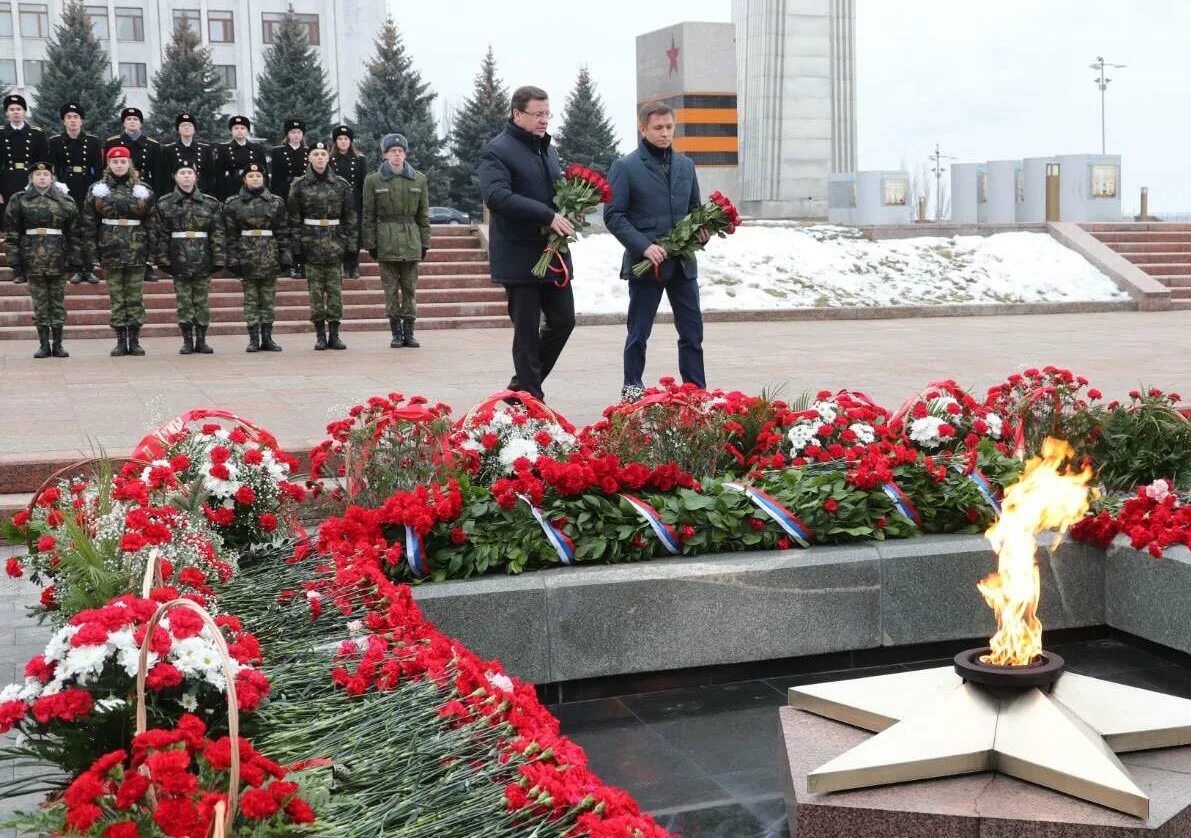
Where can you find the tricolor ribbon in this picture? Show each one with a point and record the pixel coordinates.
(415, 553)
(785, 519)
(559, 540)
(982, 485)
(902, 503)
(661, 529)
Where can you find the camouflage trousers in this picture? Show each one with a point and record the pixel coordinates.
(258, 300)
(126, 291)
(326, 291)
(191, 294)
(400, 281)
(49, 300)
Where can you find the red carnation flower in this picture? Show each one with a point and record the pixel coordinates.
(245, 495)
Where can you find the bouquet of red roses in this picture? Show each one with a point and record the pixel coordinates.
(718, 217)
(577, 192)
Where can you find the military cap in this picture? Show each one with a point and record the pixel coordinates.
(41, 166)
(15, 99)
(182, 163)
(388, 141)
(119, 151)
(253, 168)
(185, 117)
(343, 131)
(71, 107)
(292, 124)
(239, 120)
(127, 112)
(320, 145)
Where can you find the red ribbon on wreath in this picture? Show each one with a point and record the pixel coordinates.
(152, 446)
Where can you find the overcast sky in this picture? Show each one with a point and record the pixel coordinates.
(986, 81)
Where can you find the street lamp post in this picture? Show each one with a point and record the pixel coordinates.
(1102, 83)
(937, 170)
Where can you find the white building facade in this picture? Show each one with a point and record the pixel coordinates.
(135, 34)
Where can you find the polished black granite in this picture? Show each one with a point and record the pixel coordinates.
(703, 760)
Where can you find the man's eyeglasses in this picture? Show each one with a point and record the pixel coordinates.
(538, 114)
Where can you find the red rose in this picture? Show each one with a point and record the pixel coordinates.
(686, 532)
(783, 543)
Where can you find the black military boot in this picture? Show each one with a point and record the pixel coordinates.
(200, 341)
(333, 341)
(121, 348)
(395, 327)
(150, 273)
(409, 333)
(267, 342)
(56, 346)
(76, 278)
(187, 339)
(91, 277)
(254, 339)
(320, 331)
(351, 268)
(43, 337)
(134, 341)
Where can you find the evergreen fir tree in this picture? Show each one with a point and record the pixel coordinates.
(78, 69)
(481, 118)
(585, 136)
(393, 98)
(186, 83)
(292, 85)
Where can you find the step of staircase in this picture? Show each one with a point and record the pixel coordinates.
(1137, 226)
(1145, 247)
(1166, 268)
(1158, 258)
(300, 323)
(1174, 281)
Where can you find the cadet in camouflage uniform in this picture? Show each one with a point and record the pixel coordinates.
(322, 217)
(42, 243)
(145, 153)
(397, 233)
(258, 250)
(187, 236)
(21, 145)
(115, 215)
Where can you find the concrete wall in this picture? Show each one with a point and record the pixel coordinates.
(1076, 202)
(1001, 204)
(871, 208)
(964, 209)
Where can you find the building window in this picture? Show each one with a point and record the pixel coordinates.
(99, 21)
(220, 27)
(33, 71)
(1104, 180)
(8, 72)
(227, 75)
(5, 20)
(35, 20)
(894, 190)
(271, 22)
(130, 24)
(134, 75)
(188, 16)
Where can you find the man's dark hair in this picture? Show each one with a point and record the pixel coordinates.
(652, 109)
(522, 96)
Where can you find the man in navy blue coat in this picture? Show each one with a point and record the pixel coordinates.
(653, 188)
(518, 168)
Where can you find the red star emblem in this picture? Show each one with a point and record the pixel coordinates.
(672, 54)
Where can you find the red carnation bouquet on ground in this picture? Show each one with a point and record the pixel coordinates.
(718, 217)
(579, 191)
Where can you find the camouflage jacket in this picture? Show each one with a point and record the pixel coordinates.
(325, 198)
(115, 223)
(187, 256)
(33, 254)
(256, 256)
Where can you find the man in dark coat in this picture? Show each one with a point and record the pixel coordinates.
(518, 168)
(78, 162)
(21, 145)
(234, 157)
(189, 152)
(653, 188)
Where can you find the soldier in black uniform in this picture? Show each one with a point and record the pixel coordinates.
(78, 162)
(188, 150)
(350, 165)
(287, 163)
(146, 159)
(235, 156)
(21, 145)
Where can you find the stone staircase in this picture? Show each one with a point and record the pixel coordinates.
(454, 292)
(1160, 248)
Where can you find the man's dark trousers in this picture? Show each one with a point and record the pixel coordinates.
(645, 295)
(536, 347)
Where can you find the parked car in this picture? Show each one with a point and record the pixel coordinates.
(448, 215)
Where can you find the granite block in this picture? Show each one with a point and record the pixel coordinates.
(496, 617)
(1148, 597)
(712, 610)
(929, 589)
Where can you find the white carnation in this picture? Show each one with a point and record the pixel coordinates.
(995, 425)
(59, 644)
(925, 431)
(84, 663)
(864, 432)
(515, 449)
(826, 411)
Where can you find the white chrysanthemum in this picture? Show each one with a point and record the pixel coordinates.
(800, 436)
(515, 449)
(107, 705)
(122, 639)
(925, 431)
(864, 432)
(195, 656)
(995, 425)
(11, 693)
(59, 644)
(82, 663)
(826, 411)
(189, 702)
(129, 659)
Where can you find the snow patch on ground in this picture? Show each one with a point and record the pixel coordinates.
(766, 266)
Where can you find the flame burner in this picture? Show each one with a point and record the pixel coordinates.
(1042, 673)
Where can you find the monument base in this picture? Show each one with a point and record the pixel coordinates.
(972, 806)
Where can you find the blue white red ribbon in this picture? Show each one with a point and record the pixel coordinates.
(559, 540)
(982, 485)
(902, 503)
(661, 529)
(415, 553)
(785, 519)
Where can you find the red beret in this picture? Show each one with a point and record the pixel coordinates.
(118, 151)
